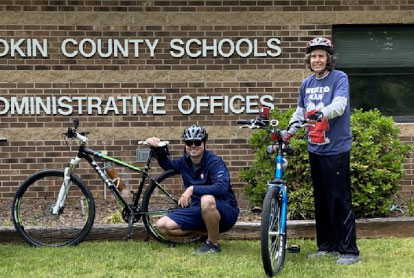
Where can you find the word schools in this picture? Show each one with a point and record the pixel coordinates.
(124, 48)
(65, 105)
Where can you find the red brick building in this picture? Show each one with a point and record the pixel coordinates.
(133, 69)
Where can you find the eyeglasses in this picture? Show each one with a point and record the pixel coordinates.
(189, 143)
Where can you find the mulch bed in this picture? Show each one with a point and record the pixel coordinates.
(106, 209)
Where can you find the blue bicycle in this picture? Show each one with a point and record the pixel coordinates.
(274, 211)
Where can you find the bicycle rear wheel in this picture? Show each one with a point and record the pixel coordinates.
(33, 204)
(159, 202)
(273, 243)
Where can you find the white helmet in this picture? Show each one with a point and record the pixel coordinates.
(320, 43)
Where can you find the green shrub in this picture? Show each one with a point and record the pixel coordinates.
(376, 166)
(376, 162)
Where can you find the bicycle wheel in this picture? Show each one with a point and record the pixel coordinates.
(33, 204)
(272, 242)
(158, 203)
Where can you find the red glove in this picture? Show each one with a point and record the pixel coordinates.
(317, 132)
(314, 115)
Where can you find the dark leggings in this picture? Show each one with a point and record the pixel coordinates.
(335, 218)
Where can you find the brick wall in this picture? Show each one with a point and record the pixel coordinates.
(34, 141)
(201, 5)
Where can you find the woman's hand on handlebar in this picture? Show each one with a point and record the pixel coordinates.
(287, 137)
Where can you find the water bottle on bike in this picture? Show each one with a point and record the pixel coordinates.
(113, 174)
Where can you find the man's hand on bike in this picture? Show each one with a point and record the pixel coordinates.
(153, 141)
(185, 198)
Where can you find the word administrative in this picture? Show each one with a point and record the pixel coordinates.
(124, 48)
(65, 105)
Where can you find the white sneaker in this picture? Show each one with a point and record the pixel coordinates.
(348, 259)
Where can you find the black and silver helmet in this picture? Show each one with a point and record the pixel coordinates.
(195, 132)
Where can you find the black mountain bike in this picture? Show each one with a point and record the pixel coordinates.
(56, 208)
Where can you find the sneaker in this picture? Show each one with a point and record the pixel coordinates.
(321, 253)
(207, 248)
(348, 259)
(202, 239)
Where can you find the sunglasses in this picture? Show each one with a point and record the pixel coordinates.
(189, 143)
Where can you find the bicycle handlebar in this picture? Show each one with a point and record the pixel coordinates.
(82, 136)
(244, 122)
(160, 144)
(73, 133)
(263, 124)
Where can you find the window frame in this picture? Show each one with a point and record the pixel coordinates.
(375, 71)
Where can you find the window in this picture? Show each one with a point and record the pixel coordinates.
(379, 61)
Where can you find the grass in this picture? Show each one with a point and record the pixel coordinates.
(391, 257)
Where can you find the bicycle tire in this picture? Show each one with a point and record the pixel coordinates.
(273, 244)
(32, 210)
(156, 204)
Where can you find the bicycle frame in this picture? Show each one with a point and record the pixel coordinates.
(280, 164)
(85, 153)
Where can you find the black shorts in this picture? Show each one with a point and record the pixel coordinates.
(191, 218)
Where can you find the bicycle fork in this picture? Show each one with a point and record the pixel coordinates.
(281, 164)
(283, 210)
(283, 206)
(60, 202)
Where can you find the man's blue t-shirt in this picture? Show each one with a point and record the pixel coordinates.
(331, 96)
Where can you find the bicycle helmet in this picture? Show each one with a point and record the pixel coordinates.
(320, 43)
(195, 132)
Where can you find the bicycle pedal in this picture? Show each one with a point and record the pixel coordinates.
(294, 248)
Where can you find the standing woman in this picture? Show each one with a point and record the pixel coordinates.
(324, 102)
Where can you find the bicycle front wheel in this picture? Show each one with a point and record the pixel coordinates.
(273, 243)
(160, 198)
(33, 205)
